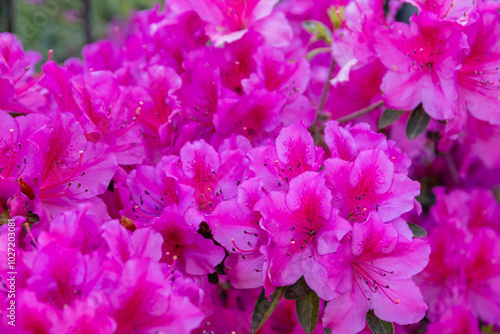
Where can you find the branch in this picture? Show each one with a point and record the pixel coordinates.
(86, 21)
(361, 112)
(326, 87)
(10, 15)
(320, 116)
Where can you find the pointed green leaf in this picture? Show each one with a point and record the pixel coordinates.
(308, 311)
(264, 308)
(378, 326)
(418, 232)
(298, 290)
(389, 116)
(318, 30)
(417, 123)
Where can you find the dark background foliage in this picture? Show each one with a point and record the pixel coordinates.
(63, 25)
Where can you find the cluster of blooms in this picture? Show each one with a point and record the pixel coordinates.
(161, 182)
(462, 278)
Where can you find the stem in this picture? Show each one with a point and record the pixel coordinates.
(453, 168)
(86, 21)
(313, 53)
(320, 116)
(361, 112)
(10, 15)
(326, 87)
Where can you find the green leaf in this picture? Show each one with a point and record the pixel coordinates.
(307, 309)
(318, 30)
(264, 308)
(298, 290)
(328, 331)
(417, 123)
(335, 17)
(418, 232)
(389, 116)
(377, 325)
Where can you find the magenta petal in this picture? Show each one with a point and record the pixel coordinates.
(316, 277)
(308, 193)
(401, 90)
(372, 171)
(201, 257)
(275, 29)
(341, 143)
(405, 304)
(373, 237)
(244, 273)
(295, 145)
(346, 314)
(407, 259)
(399, 199)
(199, 159)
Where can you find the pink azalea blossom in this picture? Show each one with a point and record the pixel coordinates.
(143, 299)
(302, 224)
(229, 21)
(366, 180)
(423, 62)
(373, 270)
(479, 76)
(293, 154)
(183, 248)
(214, 177)
(235, 225)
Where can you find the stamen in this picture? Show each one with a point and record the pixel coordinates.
(134, 121)
(242, 250)
(35, 80)
(136, 210)
(68, 178)
(26, 225)
(280, 170)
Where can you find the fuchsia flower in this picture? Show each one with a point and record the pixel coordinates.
(124, 246)
(74, 169)
(459, 320)
(79, 230)
(235, 225)
(144, 300)
(423, 62)
(303, 224)
(110, 112)
(183, 248)
(213, 177)
(33, 315)
(293, 154)
(58, 276)
(463, 270)
(452, 10)
(202, 90)
(18, 91)
(228, 21)
(86, 316)
(364, 179)
(152, 190)
(466, 210)
(255, 116)
(197, 116)
(19, 155)
(373, 270)
(479, 77)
